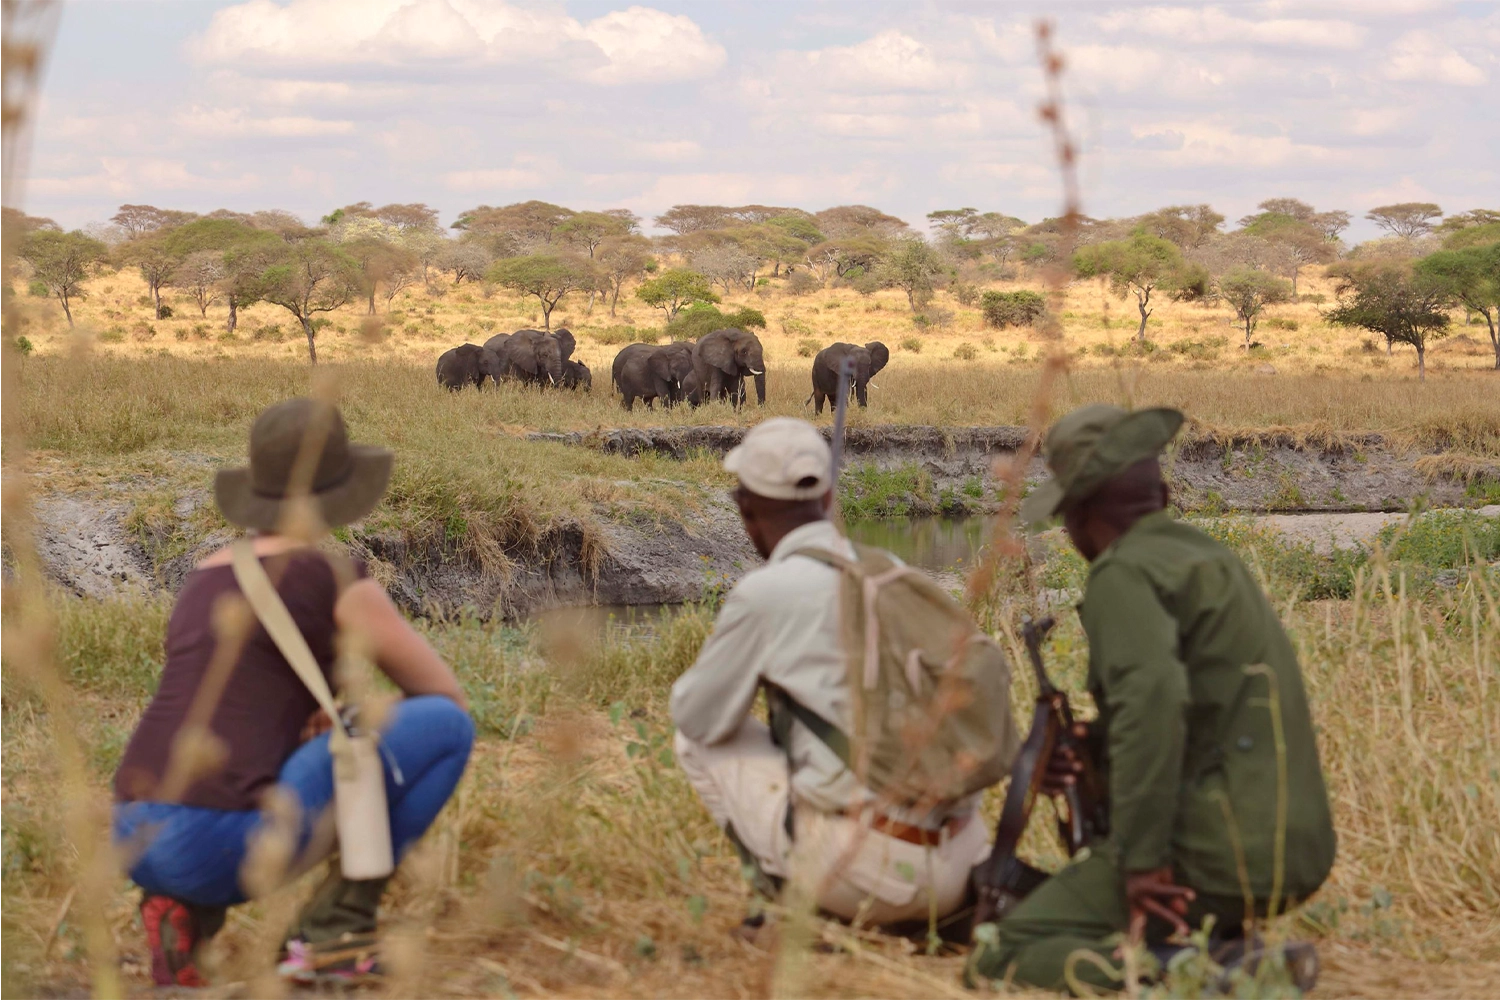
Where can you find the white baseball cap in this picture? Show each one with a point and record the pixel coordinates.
(784, 459)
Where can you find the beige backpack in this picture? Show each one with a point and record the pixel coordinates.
(931, 691)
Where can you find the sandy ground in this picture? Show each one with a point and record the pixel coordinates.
(1326, 532)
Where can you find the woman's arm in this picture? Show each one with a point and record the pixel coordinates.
(400, 652)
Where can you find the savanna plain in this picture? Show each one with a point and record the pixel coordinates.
(575, 859)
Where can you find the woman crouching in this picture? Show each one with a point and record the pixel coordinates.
(226, 788)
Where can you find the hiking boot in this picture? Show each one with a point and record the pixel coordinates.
(174, 932)
(339, 962)
(1247, 956)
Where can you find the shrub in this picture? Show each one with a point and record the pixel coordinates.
(940, 318)
(621, 335)
(38, 289)
(808, 346)
(696, 320)
(165, 312)
(1316, 298)
(1199, 350)
(802, 282)
(142, 331)
(227, 337)
(181, 333)
(966, 352)
(913, 344)
(114, 335)
(23, 346)
(793, 327)
(967, 294)
(271, 332)
(920, 321)
(1002, 309)
(1281, 323)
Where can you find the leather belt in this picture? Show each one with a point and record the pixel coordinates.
(918, 835)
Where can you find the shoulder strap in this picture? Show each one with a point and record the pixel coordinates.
(830, 735)
(828, 558)
(272, 613)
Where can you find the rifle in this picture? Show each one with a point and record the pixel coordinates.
(1002, 880)
(840, 410)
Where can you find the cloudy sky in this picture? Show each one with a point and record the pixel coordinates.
(909, 106)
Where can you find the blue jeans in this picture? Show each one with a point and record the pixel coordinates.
(194, 854)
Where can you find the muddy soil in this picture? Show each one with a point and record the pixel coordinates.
(1250, 475)
(89, 548)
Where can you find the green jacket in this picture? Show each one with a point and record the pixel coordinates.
(1185, 658)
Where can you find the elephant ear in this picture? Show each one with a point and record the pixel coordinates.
(565, 342)
(715, 349)
(880, 356)
(523, 356)
(660, 365)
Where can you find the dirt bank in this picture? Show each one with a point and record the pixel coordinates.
(92, 546)
(1250, 474)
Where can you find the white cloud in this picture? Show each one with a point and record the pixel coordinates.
(890, 61)
(235, 123)
(1212, 26)
(1422, 57)
(124, 177)
(636, 45)
(647, 46)
(668, 150)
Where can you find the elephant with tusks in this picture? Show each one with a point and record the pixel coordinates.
(867, 363)
(468, 364)
(723, 360)
(649, 373)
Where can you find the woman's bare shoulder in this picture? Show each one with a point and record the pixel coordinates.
(264, 545)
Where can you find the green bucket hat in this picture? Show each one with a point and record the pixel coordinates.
(1090, 446)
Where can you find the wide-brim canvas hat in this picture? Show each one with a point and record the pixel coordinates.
(1092, 445)
(299, 450)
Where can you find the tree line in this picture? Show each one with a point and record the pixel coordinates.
(369, 254)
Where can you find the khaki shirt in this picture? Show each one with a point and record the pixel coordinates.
(780, 625)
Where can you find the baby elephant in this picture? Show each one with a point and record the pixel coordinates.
(576, 375)
(868, 360)
(650, 373)
(467, 364)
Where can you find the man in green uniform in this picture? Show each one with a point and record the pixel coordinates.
(1216, 799)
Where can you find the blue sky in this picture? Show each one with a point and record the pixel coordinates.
(310, 104)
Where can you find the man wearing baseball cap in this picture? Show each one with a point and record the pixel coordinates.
(1217, 806)
(796, 810)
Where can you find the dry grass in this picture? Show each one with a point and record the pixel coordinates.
(576, 862)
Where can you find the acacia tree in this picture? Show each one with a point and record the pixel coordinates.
(62, 261)
(138, 220)
(1395, 300)
(1408, 220)
(1248, 291)
(674, 289)
(910, 265)
(156, 257)
(1472, 276)
(308, 277)
(619, 260)
(244, 252)
(200, 274)
(1189, 226)
(1137, 266)
(548, 277)
(1300, 242)
(382, 265)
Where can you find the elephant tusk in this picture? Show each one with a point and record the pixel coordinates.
(754, 372)
(872, 385)
(551, 379)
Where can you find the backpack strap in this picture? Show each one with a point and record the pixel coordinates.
(784, 708)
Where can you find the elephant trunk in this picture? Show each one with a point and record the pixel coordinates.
(760, 388)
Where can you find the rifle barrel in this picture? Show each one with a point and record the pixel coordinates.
(840, 409)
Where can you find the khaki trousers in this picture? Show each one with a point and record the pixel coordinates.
(847, 868)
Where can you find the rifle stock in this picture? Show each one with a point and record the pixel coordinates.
(1002, 880)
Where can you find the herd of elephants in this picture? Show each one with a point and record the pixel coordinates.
(715, 367)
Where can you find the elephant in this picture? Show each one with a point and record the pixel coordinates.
(723, 359)
(868, 361)
(496, 342)
(576, 374)
(534, 357)
(648, 372)
(468, 364)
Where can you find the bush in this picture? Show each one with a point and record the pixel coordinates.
(913, 344)
(142, 332)
(966, 352)
(967, 294)
(114, 335)
(1199, 350)
(38, 289)
(793, 327)
(802, 282)
(1003, 309)
(696, 320)
(940, 318)
(271, 332)
(1316, 298)
(612, 335)
(24, 347)
(1281, 323)
(807, 347)
(165, 312)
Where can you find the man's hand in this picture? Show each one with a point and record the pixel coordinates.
(1064, 766)
(1154, 894)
